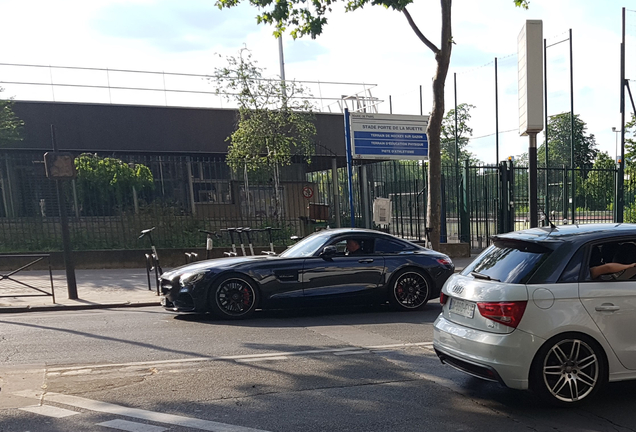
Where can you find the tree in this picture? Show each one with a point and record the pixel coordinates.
(309, 18)
(105, 182)
(559, 146)
(275, 121)
(464, 132)
(600, 183)
(630, 143)
(10, 124)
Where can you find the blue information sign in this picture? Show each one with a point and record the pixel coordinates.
(387, 136)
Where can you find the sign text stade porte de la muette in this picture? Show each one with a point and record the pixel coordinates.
(389, 136)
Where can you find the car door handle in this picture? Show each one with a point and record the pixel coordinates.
(367, 260)
(607, 307)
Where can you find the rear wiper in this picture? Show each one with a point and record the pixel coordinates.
(478, 275)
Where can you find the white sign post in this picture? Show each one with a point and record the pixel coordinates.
(530, 55)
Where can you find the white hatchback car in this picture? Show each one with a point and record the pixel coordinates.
(528, 314)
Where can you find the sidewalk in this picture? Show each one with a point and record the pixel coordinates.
(95, 289)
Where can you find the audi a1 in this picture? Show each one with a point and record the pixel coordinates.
(529, 314)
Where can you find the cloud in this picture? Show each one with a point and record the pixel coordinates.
(176, 26)
(300, 51)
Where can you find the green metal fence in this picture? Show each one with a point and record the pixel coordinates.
(188, 193)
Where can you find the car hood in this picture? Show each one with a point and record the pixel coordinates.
(216, 263)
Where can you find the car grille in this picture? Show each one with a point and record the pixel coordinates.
(167, 286)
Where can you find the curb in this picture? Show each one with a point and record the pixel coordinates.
(63, 307)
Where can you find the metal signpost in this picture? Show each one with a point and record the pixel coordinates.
(530, 63)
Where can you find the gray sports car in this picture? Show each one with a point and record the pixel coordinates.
(341, 266)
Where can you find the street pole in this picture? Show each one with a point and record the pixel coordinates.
(69, 264)
(496, 116)
(281, 59)
(620, 184)
(532, 180)
(573, 205)
(347, 124)
(546, 203)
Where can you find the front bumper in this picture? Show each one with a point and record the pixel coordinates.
(505, 358)
(183, 303)
(176, 299)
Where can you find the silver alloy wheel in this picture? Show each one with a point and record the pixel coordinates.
(235, 297)
(411, 290)
(571, 370)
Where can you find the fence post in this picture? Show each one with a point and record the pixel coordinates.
(464, 214)
(336, 195)
(511, 197)
(443, 237)
(506, 202)
(364, 197)
(193, 206)
(502, 193)
(565, 194)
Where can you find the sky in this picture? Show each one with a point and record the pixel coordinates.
(372, 50)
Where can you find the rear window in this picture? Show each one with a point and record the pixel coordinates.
(508, 261)
(385, 246)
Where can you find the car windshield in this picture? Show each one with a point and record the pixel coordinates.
(508, 261)
(305, 247)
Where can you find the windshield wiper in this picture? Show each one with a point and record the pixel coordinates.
(478, 275)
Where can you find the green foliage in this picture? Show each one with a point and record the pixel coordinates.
(629, 214)
(103, 183)
(630, 141)
(276, 119)
(600, 182)
(309, 18)
(559, 145)
(464, 132)
(10, 125)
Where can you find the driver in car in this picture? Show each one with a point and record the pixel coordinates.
(353, 247)
(619, 269)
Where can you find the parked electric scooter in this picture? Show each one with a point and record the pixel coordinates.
(152, 259)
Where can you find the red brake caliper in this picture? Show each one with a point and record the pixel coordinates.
(246, 296)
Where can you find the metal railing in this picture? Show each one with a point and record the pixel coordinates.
(189, 194)
(15, 283)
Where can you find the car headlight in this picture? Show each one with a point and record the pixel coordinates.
(191, 278)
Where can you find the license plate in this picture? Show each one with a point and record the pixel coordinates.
(462, 307)
(163, 301)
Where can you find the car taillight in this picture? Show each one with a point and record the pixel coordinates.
(444, 261)
(507, 313)
(443, 298)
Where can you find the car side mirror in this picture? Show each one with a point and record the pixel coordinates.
(328, 252)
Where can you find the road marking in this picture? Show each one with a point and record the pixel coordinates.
(352, 335)
(49, 411)
(252, 360)
(352, 352)
(129, 426)
(243, 357)
(105, 407)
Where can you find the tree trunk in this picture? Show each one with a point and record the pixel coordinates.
(435, 127)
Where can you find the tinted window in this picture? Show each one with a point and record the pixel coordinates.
(306, 247)
(385, 246)
(509, 261)
(572, 271)
(366, 245)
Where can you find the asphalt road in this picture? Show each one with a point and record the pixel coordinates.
(367, 369)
